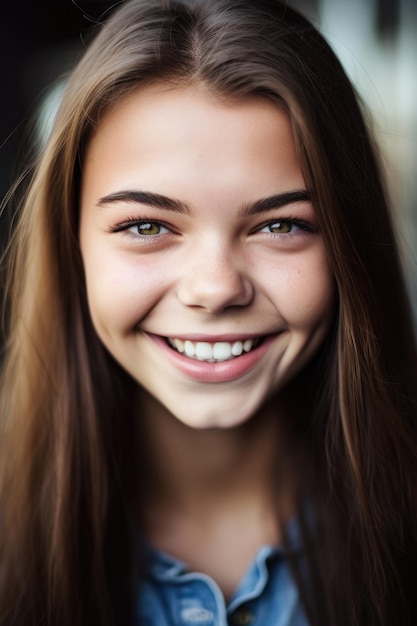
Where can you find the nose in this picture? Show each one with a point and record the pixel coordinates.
(214, 281)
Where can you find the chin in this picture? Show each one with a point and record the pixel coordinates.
(217, 419)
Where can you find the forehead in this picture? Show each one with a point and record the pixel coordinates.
(162, 108)
(185, 142)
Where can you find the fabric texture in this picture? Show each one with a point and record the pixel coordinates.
(170, 595)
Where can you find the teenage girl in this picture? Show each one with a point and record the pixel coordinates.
(209, 399)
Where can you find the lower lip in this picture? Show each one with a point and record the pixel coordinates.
(221, 372)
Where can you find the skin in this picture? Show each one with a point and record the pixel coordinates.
(208, 272)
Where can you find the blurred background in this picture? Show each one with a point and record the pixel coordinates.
(376, 40)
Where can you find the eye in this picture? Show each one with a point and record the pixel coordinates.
(281, 227)
(147, 228)
(288, 226)
(141, 228)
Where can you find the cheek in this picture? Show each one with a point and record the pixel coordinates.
(307, 294)
(316, 298)
(120, 291)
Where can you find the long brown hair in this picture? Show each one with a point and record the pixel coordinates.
(66, 543)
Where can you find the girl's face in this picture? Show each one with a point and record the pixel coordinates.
(207, 277)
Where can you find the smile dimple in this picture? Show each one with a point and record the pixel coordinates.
(213, 352)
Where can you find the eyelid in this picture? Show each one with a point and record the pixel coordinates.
(135, 221)
(304, 225)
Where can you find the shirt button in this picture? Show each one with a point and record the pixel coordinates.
(242, 617)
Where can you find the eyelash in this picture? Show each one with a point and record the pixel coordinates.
(302, 225)
(131, 222)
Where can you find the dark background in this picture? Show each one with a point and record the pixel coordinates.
(39, 41)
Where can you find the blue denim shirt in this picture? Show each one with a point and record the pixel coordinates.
(170, 595)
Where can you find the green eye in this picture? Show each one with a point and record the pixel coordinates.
(147, 228)
(282, 228)
(141, 228)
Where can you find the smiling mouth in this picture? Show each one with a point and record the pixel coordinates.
(213, 352)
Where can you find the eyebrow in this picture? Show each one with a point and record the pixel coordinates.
(160, 201)
(275, 202)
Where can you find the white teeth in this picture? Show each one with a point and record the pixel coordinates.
(247, 345)
(237, 348)
(203, 351)
(222, 351)
(212, 352)
(189, 349)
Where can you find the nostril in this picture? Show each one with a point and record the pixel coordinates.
(215, 291)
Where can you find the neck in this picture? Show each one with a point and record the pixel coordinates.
(214, 497)
(205, 474)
